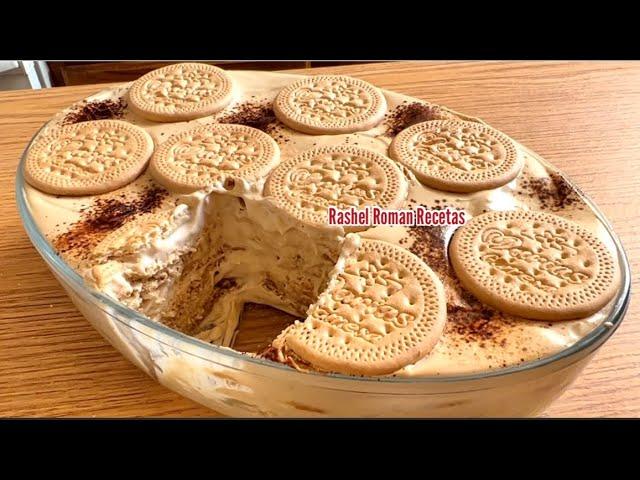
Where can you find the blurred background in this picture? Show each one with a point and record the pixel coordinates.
(18, 74)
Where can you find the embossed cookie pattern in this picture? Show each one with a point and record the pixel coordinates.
(457, 156)
(339, 176)
(383, 310)
(88, 157)
(329, 104)
(182, 91)
(213, 153)
(533, 264)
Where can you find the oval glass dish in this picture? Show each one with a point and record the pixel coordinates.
(238, 384)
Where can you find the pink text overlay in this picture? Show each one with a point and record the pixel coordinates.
(415, 217)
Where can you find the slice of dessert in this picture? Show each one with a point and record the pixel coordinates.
(383, 309)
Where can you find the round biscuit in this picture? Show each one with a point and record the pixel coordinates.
(179, 92)
(330, 104)
(88, 158)
(534, 265)
(341, 176)
(383, 310)
(213, 154)
(457, 156)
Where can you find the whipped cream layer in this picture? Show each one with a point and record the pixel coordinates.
(221, 248)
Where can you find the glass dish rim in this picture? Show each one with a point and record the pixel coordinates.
(125, 314)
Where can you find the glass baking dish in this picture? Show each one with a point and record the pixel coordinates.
(237, 384)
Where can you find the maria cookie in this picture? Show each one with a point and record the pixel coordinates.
(533, 264)
(341, 176)
(88, 158)
(330, 104)
(213, 154)
(383, 309)
(179, 92)
(457, 156)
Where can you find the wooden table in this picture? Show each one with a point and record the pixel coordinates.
(582, 116)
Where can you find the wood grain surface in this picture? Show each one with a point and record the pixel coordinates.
(584, 117)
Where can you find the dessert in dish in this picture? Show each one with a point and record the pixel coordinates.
(381, 310)
(230, 209)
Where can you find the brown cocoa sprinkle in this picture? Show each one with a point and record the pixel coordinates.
(553, 193)
(106, 215)
(407, 114)
(468, 319)
(428, 244)
(478, 323)
(473, 325)
(102, 110)
(254, 114)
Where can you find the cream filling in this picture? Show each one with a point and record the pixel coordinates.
(267, 256)
(147, 280)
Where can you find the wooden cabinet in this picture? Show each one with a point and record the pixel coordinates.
(82, 73)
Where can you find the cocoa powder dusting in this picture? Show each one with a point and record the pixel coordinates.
(428, 244)
(553, 193)
(102, 110)
(253, 114)
(467, 318)
(106, 215)
(476, 323)
(407, 114)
